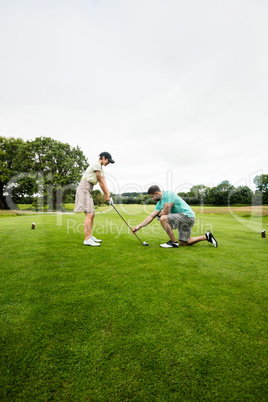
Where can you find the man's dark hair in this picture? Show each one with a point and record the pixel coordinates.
(153, 189)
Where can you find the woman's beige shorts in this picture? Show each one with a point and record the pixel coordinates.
(83, 197)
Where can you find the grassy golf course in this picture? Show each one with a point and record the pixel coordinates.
(125, 322)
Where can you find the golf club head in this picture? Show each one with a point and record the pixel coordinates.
(145, 244)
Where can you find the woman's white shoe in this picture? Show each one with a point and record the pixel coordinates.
(90, 242)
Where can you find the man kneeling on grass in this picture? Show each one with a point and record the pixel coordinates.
(174, 213)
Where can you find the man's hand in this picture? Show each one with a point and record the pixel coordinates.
(111, 201)
(135, 229)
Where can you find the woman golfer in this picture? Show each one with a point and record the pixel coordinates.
(83, 199)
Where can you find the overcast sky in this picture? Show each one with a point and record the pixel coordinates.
(175, 90)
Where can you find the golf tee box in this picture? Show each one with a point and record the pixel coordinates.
(263, 234)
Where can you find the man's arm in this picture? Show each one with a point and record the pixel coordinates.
(103, 185)
(167, 208)
(146, 221)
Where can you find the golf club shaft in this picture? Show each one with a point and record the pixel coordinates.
(126, 223)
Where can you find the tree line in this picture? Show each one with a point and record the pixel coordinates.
(222, 194)
(46, 172)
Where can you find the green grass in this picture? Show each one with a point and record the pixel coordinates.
(125, 322)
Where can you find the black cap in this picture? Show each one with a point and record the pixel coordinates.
(107, 156)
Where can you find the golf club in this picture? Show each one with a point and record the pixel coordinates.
(143, 243)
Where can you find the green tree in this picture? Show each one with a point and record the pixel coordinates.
(9, 166)
(98, 197)
(146, 200)
(220, 195)
(57, 166)
(241, 195)
(261, 183)
(197, 194)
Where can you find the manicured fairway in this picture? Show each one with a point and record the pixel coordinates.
(125, 322)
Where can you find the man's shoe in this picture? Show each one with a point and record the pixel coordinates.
(95, 240)
(211, 239)
(170, 244)
(91, 242)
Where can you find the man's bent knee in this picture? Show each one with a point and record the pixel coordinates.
(183, 243)
(163, 218)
